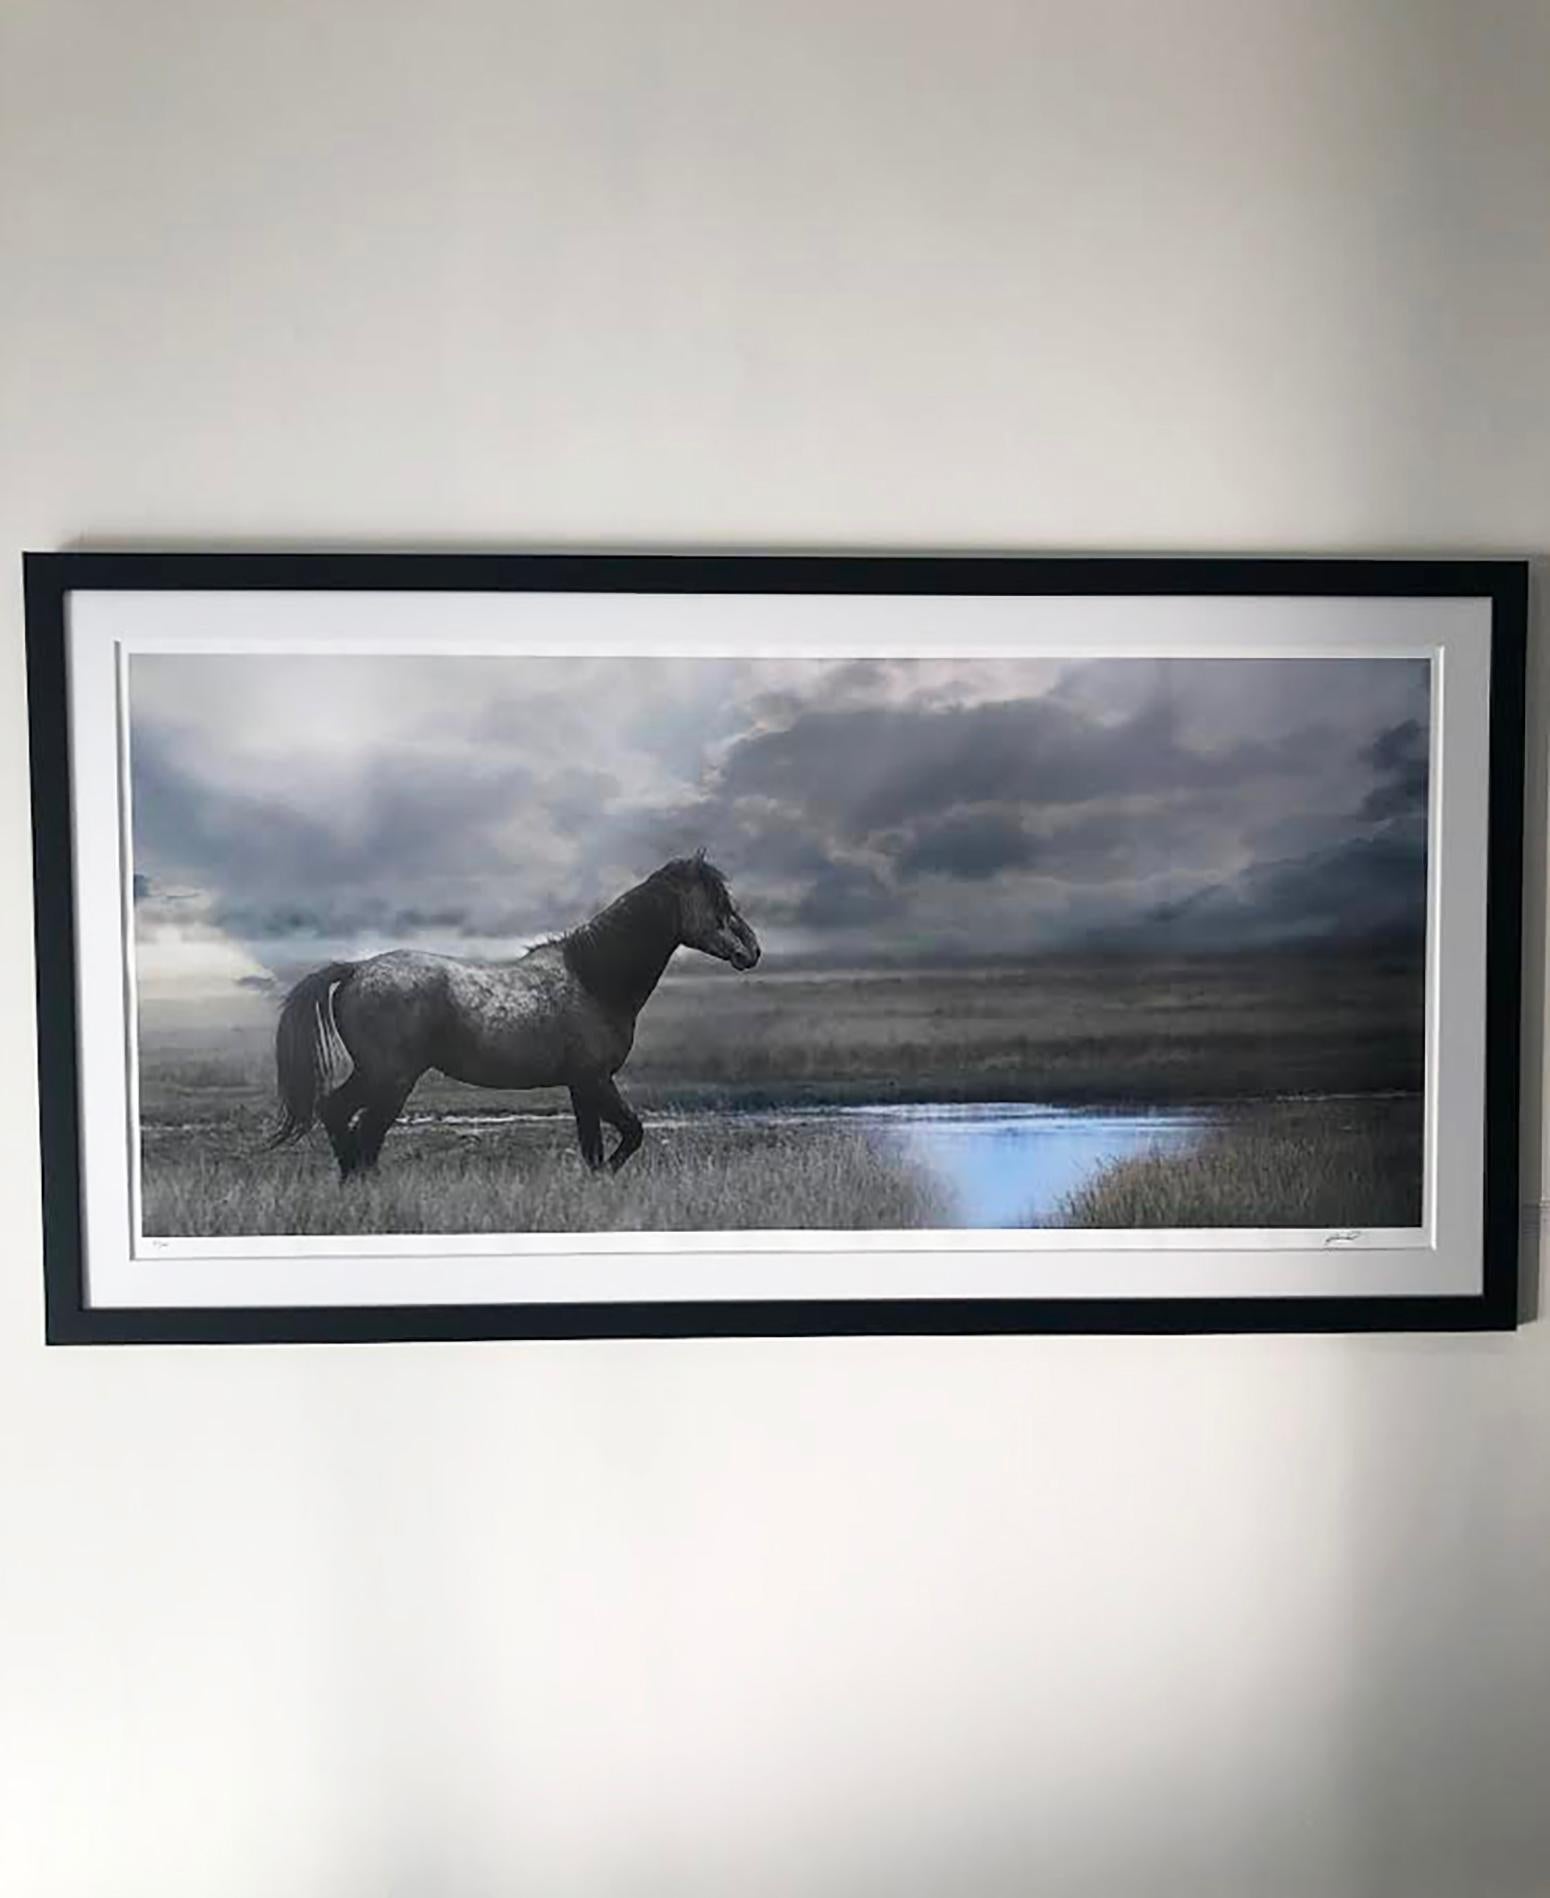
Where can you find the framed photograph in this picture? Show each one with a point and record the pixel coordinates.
(442, 946)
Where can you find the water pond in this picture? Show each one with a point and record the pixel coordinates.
(1009, 1163)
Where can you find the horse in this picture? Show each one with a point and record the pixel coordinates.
(563, 1015)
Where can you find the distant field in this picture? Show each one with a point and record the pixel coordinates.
(1101, 1029)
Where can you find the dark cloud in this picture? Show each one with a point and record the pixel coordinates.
(845, 896)
(1299, 833)
(969, 845)
(879, 766)
(1077, 845)
(1369, 888)
(1399, 756)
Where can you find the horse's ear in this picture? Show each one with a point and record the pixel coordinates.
(699, 855)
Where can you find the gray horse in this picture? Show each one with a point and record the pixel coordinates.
(562, 1016)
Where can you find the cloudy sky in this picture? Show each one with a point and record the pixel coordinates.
(286, 809)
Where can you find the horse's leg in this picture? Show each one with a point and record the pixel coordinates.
(337, 1111)
(384, 1103)
(617, 1111)
(589, 1129)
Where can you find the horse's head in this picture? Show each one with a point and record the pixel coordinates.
(708, 919)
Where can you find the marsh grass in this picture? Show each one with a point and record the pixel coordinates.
(711, 1178)
(1324, 1164)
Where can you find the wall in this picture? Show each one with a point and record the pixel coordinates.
(1249, 1617)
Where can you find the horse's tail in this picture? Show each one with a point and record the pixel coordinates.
(305, 1046)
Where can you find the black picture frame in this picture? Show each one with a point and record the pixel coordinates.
(52, 578)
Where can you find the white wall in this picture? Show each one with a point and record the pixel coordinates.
(1241, 1617)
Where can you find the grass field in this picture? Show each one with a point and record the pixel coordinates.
(1097, 1029)
(530, 1179)
(1334, 1163)
(1102, 1031)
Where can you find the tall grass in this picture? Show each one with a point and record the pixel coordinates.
(1354, 1164)
(685, 1180)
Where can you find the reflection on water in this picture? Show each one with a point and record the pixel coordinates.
(1010, 1164)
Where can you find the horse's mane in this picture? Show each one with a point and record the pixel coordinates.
(620, 953)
